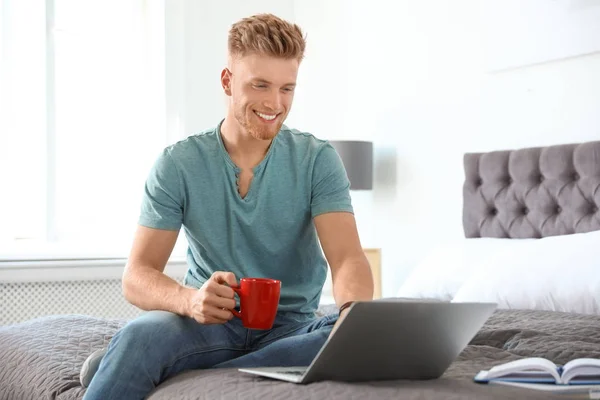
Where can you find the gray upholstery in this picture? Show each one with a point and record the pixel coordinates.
(507, 336)
(41, 358)
(47, 373)
(532, 192)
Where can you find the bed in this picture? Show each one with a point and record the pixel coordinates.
(530, 222)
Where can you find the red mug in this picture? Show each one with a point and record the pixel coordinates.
(259, 299)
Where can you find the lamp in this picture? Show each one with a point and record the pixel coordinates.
(357, 157)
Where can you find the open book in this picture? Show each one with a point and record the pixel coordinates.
(581, 371)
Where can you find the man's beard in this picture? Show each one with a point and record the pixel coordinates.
(257, 132)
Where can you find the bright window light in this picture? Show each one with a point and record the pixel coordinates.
(83, 118)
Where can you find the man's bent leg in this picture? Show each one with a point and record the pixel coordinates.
(298, 348)
(158, 345)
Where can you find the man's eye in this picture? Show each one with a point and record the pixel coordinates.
(260, 86)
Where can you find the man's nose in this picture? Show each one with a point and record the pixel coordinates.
(273, 101)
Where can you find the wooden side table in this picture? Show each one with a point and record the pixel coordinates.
(374, 257)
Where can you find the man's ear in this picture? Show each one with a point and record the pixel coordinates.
(226, 81)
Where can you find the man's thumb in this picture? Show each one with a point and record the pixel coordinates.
(225, 277)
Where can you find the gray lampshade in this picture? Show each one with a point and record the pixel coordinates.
(357, 157)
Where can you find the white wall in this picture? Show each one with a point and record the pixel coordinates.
(196, 54)
(411, 76)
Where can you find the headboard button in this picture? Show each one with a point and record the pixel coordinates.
(558, 209)
(575, 176)
(493, 211)
(525, 210)
(541, 178)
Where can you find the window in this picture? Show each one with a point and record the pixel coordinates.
(82, 103)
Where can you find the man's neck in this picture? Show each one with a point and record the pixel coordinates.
(245, 150)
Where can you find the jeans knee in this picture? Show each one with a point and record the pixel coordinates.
(144, 332)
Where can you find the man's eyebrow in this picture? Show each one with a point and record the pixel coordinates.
(261, 80)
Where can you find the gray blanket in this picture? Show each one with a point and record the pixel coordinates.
(41, 359)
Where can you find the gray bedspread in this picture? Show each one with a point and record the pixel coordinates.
(41, 359)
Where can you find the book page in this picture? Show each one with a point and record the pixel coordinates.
(532, 364)
(585, 368)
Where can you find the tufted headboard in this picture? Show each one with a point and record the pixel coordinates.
(532, 192)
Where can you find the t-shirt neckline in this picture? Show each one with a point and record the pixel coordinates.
(228, 159)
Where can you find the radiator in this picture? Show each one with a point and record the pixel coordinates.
(91, 287)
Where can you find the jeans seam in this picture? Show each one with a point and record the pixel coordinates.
(248, 340)
(271, 340)
(200, 352)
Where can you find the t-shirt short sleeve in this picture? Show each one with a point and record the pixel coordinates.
(162, 200)
(330, 184)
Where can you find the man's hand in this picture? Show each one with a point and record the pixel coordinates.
(211, 304)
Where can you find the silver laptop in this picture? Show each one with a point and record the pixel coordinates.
(391, 339)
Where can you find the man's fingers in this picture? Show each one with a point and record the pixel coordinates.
(219, 289)
(211, 321)
(216, 299)
(225, 277)
(217, 316)
(222, 315)
(221, 302)
(223, 291)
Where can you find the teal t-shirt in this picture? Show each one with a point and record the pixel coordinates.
(268, 233)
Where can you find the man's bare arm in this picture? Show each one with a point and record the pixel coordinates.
(350, 271)
(144, 283)
(146, 286)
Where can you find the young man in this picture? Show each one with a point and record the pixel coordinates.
(256, 199)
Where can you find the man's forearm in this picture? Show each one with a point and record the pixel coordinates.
(150, 289)
(353, 281)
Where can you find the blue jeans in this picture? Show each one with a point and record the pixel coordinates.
(159, 345)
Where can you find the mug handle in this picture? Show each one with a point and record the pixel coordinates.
(234, 311)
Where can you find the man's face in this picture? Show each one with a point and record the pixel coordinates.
(261, 90)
